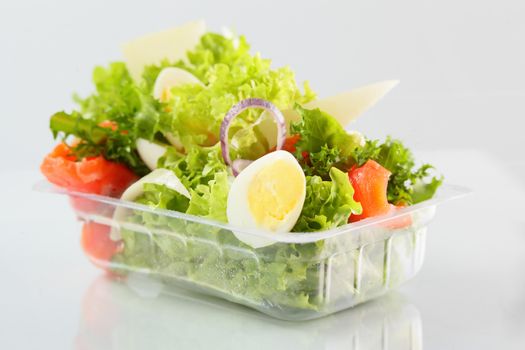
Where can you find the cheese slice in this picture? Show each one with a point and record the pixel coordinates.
(347, 106)
(171, 44)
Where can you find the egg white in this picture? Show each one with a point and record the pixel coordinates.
(238, 208)
(150, 152)
(171, 77)
(168, 78)
(158, 176)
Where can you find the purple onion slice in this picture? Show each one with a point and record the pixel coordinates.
(238, 109)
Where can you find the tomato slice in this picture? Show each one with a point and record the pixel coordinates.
(92, 175)
(289, 144)
(97, 244)
(370, 183)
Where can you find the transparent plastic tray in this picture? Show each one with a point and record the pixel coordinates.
(300, 276)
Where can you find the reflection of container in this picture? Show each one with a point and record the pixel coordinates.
(300, 276)
(115, 318)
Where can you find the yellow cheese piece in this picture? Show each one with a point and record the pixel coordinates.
(171, 44)
(344, 107)
(347, 106)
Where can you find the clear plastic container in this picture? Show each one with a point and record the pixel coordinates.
(300, 276)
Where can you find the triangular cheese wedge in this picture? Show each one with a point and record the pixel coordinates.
(347, 106)
(171, 44)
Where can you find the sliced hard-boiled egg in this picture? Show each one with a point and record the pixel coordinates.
(174, 140)
(150, 152)
(167, 79)
(171, 44)
(158, 176)
(267, 195)
(170, 77)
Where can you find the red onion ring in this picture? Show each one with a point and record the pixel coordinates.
(238, 109)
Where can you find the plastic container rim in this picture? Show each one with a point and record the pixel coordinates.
(445, 193)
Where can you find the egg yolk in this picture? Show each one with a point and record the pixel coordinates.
(165, 95)
(271, 198)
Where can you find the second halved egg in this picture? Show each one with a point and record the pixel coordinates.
(268, 195)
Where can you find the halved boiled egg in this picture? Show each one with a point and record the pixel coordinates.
(150, 152)
(267, 195)
(167, 79)
(158, 176)
(170, 77)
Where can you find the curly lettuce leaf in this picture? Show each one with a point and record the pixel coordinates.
(118, 100)
(328, 204)
(210, 200)
(230, 73)
(407, 184)
(197, 167)
(163, 197)
(325, 141)
(114, 144)
(116, 97)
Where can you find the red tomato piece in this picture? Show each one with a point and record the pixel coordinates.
(289, 144)
(109, 124)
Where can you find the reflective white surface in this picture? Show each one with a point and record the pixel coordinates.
(114, 318)
(459, 105)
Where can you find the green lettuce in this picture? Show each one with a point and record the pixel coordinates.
(230, 73)
(324, 140)
(119, 100)
(162, 197)
(197, 167)
(328, 204)
(116, 96)
(210, 200)
(408, 184)
(114, 144)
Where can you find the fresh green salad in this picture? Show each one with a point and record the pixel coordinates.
(195, 122)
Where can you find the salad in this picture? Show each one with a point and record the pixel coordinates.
(194, 122)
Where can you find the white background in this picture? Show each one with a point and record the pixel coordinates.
(460, 104)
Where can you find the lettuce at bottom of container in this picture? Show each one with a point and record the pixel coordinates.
(299, 277)
(295, 290)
